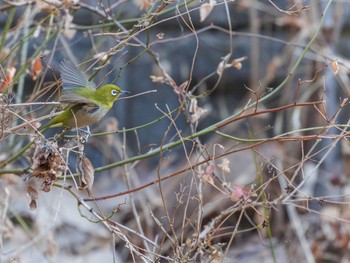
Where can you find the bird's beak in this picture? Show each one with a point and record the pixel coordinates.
(125, 92)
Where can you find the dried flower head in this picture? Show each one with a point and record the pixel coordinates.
(47, 166)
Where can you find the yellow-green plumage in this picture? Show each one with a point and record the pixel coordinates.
(84, 104)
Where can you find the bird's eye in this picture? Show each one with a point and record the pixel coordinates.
(114, 92)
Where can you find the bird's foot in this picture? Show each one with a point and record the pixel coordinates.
(59, 136)
(87, 134)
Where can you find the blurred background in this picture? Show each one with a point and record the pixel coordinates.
(232, 146)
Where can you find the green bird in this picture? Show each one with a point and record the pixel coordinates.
(84, 103)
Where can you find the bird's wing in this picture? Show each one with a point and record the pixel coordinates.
(73, 78)
(71, 98)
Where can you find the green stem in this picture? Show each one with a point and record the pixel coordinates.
(209, 129)
(7, 27)
(215, 126)
(129, 62)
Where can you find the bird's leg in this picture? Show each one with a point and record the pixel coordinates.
(87, 132)
(59, 136)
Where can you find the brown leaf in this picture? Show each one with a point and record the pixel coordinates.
(49, 178)
(236, 63)
(37, 68)
(47, 165)
(86, 171)
(6, 82)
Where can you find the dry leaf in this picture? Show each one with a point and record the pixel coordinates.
(86, 171)
(206, 9)
(47, 166)
(6, 82)
(195, 111)
(335, 67)
(236, 63)
(37, 68)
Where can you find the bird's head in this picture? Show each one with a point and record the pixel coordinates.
(108, 94)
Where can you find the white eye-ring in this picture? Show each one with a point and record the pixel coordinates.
(114, 92)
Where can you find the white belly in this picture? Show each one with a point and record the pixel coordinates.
(87, 115)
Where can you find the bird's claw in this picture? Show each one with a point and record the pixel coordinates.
(85, 138)
(57, 137)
